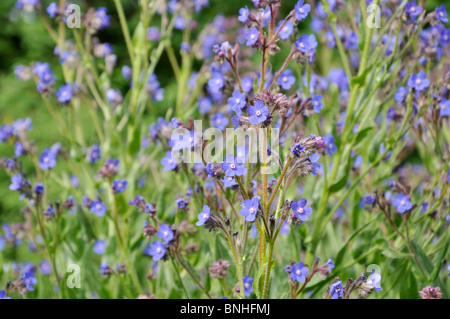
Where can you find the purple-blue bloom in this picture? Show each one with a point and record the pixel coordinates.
(250, 208)
(302, 10)
(99, 247)
(232, 167)
(119, 186)
(204, 215)
(286, 31)
(418, 81)
(329, 144)
(165, 233)
(401, 94)
(168, 163)
(248, 285)
(316, 100)
(98, 208)
(243, 14)
(402, 203)
(336, 290)
(441, 14)
(258, 113)
(412, 9)
(251, 36)
(237, 102)
(299, 272)
(306, 43)
(444, 108)
(157, 250)
(286, 79)
(300, 209)
(47, 159)
(219, 121)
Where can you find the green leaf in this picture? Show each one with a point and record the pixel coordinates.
(341, 253)
(427, 266)
(135, 144)
(258, 283)
(343, 180)
(258, 279)
(439, 260)
(362, 134)
(422, 258)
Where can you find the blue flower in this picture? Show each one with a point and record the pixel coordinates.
(250, 208)
(441, 14)
(3, 295)
(47, 159)
(402, 203)
(412, 9)
(228, 181)
(181, 203)
(216, 83)
(168, 163)
(153, 34)
(232, 167)
(39, 188)
(219, 121)
(444, 108)
(50, 210)
(28, 276)
(104, 19)
(243, 14)
(258, 113)
(418, 81)
(157, 250)
(286, 31)
(286, 79)
(375, 281)
(329, 142)
(114, 96)
(237, 102)
(165, 233)
(52, 10)
(251, 36)
(64, 94)
(98, 208)
(19, 150)
(126, 72)
(401, 94)
(204, 215)
(336, 290)
(94, 154)
(248, 285)
(330, 264)
(17, 182)
(316, 101)
(297, 148)
(306, 43)
(369, 199)
(299, 272)
(302, 10)
(247, 84)
(119, 186)
(204, 105)
(45, 267)
(99, 247)
(300, 209)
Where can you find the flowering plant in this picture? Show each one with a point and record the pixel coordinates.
(341, 116)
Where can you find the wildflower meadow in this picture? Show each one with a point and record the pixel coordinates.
(211, 149)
